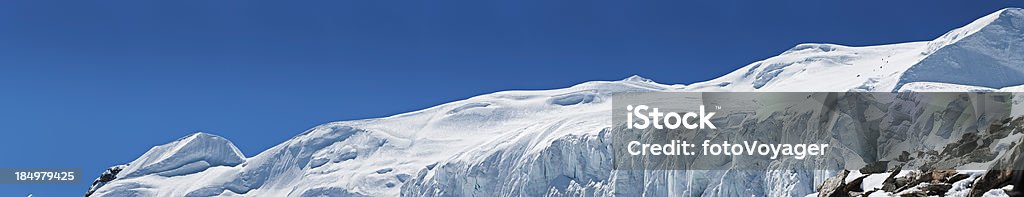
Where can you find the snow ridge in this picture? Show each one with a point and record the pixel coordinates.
(985, 53)
(189, 154)
(555, 142)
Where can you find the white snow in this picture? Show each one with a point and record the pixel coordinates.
(822, 67)
(963, 187)
(532, 143)
(187, 155)
(985, 53)
(941, 87)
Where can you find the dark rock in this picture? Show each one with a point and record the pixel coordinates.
(904, 157)
(868, 193)
(966, 145)
(875, 168)
(981, 155)
(914, 194)
(1003, 171)
(905, 182)
(957, 177)
(1018, 182)
(991, 180)
(109, 175)
(889, 184)
(832, 185)
(938, 188)
(854, 186)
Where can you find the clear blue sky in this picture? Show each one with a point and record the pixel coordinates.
(90, 84)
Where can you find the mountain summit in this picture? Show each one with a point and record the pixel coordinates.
(554, 142)
(985, 53)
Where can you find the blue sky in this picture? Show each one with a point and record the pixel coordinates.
(90, 84)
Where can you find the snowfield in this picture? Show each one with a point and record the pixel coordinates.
(556, 142)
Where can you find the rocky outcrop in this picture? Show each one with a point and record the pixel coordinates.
(833, 186)
(929, 181)
(109, 175)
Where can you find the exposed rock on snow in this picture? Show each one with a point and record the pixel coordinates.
(109, 175)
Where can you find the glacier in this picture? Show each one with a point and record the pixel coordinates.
(557, 142)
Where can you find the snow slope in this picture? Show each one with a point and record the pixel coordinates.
(822, 67)
(554, 142)
(191, 154)
(376, 156)
(985, 53)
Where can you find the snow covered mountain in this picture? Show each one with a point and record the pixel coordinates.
(555, 142)
(985, 53)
